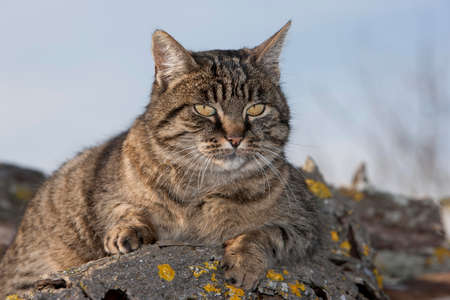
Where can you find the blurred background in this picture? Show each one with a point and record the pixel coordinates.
(366, 81)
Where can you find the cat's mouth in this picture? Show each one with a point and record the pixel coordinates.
(230, 160)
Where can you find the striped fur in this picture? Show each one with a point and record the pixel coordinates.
(174, 175)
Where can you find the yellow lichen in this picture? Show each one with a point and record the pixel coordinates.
(296, 288)
(366, 250)
(271, 274)
(211, 265)
(378, 277)
(346, 246)
(441, 254)
(213, 277)
(166, 272)
(352, 193)
(13, 297)
(334, 236)
(234, 293)
(211, 288)
(285, 272)
(318, 188)
(197, 271)
(23, 192)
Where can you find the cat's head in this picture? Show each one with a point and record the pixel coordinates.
(221, 109)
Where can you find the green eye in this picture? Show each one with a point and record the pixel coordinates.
(204, 110)
(256, 110)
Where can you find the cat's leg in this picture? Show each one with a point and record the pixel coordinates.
(128, 229)
(249, 255)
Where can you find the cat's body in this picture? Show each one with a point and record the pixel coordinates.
(208, 173)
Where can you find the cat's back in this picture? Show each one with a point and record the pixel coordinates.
(57, 230)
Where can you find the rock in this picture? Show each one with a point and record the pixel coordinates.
(342, 269)
(407, 234)
(17, 186)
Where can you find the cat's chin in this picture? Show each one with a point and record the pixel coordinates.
(231, 163)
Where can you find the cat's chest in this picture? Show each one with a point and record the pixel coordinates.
(216, 219)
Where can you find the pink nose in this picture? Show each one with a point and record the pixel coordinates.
(234, 140)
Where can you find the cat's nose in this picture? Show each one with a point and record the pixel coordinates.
(235, 140)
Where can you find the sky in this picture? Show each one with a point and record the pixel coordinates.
(73, 74)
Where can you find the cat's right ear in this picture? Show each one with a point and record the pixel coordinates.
(171, 59)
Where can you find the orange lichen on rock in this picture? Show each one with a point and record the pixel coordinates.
(211, 288)
(334, 236)
(211, 265)
(13, 297)
(366, 250)
(352, 193)
(318, 188)
(285, 272)
(297, 288)
(345, 245)
(213, 277)
(378, 277)
(441, 254)
(271, 274)
(234, 293)
(166, 272)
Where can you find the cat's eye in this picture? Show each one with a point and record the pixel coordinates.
(256, 110)
(204, 110)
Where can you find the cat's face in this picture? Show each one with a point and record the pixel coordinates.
(224, 111)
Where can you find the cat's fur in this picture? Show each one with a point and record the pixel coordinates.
(173, 175)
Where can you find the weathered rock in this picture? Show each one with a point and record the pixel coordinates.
(342, 269)
(407, 233)
(17, 186)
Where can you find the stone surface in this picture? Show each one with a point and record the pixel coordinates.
(17, 186)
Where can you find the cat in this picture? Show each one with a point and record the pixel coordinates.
(204, 163)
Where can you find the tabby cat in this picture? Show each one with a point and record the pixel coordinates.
(204, 163)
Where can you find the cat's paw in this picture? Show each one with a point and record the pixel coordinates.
(127, 238)
(244, 265)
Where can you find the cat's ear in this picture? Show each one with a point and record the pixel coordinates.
(267, 54)
(171, 59)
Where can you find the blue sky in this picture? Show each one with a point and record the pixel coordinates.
(74, 73)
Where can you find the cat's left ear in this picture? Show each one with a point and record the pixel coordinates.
(267, 54)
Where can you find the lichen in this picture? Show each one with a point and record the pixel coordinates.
(345, 245)
(166, 272)
(318, 188)
(378, 278)
(198, 270)
(212, 288)
(211, 265)
(352, 193)
(234, 293)
(13, 297)
(366, 250)
(297, 288)
(441, 254)
(272, 275)
(334, 236)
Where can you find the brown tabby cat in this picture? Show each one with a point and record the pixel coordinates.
(204, 163)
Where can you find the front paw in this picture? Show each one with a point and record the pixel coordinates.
(127, 238)
(244, 264)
